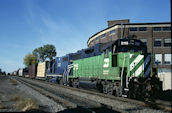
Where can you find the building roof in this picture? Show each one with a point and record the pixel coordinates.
(129, 24)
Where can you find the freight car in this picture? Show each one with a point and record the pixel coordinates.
(23, 72)
(32, 70)
(123, 69)
(15, 73)
(20, 72)
(41, 70)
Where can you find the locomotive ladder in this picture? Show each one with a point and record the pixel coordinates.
(125, 88)
(66, 73)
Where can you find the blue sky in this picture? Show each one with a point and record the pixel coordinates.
(67, 24)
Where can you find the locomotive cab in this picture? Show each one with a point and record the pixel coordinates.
(138, 79)
(128, 45)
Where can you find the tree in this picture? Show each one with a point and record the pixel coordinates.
(47, 51)
(39, 53)
(30, 59)
(50, 51)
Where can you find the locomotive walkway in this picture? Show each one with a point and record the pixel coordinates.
(89, 101)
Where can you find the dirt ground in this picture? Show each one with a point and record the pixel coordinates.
(15, 97)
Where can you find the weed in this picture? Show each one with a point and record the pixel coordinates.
(1, 106)
(15, 98)
(24, 104)
(14, 82)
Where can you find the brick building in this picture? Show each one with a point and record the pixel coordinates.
(157, 37)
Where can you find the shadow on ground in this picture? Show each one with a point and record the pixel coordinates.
(166, 95)
(90, 110)
(35, 111)
(79, 110)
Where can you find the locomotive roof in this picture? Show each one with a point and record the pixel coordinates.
(108, 45)
(128, 24)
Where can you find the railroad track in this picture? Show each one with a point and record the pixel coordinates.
(162, 105)
(84, 99)
(69, 102)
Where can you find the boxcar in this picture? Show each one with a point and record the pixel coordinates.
(23, 72)
(41, 70)
(15, 73)
(32, 70)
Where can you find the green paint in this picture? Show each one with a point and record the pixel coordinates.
(101, 67)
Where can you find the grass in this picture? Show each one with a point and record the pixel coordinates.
(15, 98)
(24, 104)
(1, 105)
(14, 82)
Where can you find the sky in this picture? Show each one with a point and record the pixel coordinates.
(67, 24)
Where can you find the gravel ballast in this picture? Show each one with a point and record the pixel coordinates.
(9, 90)
(129, 107)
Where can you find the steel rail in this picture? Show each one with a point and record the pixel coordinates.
(136, 102)
(67, 103)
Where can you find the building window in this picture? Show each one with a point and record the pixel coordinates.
(158, 59)
(142, 29)
(133, 28)
(144, 41)
(112, 32)
(157, 29)
(97, 38)
(167, 42)
(92, 41)
(157, 43)
(103, 36)
(167, 58)
(166, 28)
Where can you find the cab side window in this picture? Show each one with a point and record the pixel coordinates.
(106, 53)
(114, 60)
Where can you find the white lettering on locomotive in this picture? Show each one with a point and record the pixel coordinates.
(75, 66)
(106, 62)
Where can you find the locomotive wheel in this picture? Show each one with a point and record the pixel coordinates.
(147, 91)
(99, 86)
(118, 91)
(57, 80)
(131, 95)
(61, 82)
(110, 92)
(108, 88)
(75, 83)
(70, 83)
(133, 91)
(150, 95)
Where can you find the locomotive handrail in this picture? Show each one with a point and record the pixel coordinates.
(122, 70)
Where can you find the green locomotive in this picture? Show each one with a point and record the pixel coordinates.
(123, 69)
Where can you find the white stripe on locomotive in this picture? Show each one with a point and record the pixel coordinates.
(136, 61)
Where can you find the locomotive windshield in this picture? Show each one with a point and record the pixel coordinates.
(129, 45)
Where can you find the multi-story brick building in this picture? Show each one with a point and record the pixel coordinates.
(157, 37)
